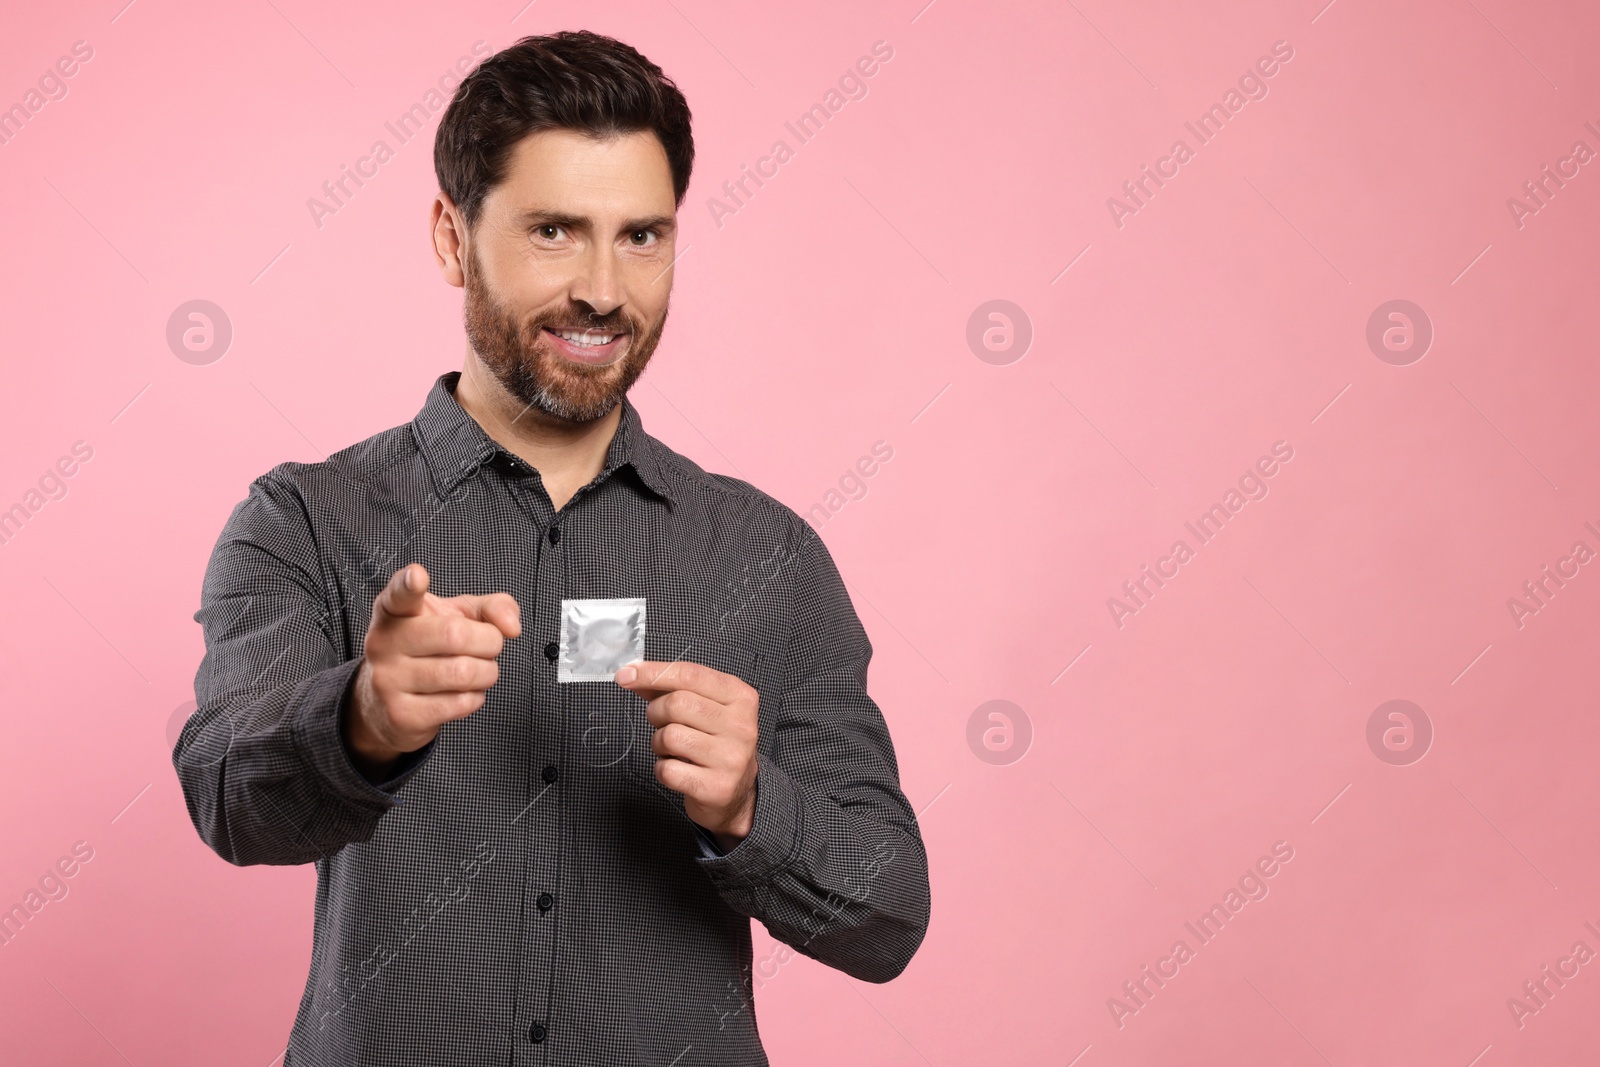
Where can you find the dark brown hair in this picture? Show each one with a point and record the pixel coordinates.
(574, 80)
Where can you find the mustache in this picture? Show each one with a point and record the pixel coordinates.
(605, 324)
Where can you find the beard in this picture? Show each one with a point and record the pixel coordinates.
(522, 357)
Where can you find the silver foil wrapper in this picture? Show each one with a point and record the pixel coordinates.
(599, 637)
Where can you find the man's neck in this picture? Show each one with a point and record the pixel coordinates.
(567, 455)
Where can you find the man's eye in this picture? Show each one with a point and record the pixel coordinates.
(551, 227)
(649, 235)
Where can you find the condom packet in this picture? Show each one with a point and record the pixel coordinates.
(599, 637)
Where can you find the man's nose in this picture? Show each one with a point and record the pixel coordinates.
(596, 283)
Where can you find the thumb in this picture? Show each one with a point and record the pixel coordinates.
(406, 592)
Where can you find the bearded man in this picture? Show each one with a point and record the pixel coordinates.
(512, 868)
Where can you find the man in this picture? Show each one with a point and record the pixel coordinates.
(512, 869)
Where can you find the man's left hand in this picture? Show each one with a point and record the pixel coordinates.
(705, 741)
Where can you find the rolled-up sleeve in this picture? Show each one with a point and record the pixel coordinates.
(262, 761)
(834, 863)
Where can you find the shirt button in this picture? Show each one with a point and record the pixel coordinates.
(551, 773)
(536, 1033)
(545, 900)
(551, 651)
(555, 535)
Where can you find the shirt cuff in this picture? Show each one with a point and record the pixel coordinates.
(315, 713)
(774, 838)
(708, 842)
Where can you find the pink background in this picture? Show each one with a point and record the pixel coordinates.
(828, 313)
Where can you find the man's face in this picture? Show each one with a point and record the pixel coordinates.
(569, 268)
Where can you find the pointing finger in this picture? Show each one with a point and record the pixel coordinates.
(406, 592)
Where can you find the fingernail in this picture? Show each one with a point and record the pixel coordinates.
(626, 675)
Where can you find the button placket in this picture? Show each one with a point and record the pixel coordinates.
(544, 819)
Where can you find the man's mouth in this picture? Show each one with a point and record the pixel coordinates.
(587, 346)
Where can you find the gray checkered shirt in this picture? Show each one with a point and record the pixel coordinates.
(522, 890)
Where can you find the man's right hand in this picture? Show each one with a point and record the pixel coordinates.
(427, 660)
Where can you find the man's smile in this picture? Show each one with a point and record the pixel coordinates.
(594, 347)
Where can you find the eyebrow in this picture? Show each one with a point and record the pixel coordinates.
(561, 218)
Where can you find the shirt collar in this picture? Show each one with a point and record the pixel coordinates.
(455, 446)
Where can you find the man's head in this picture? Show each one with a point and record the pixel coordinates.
(561, 162)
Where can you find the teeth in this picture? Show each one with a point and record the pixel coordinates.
(585, 337)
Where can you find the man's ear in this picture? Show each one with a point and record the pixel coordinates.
(448, 233)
